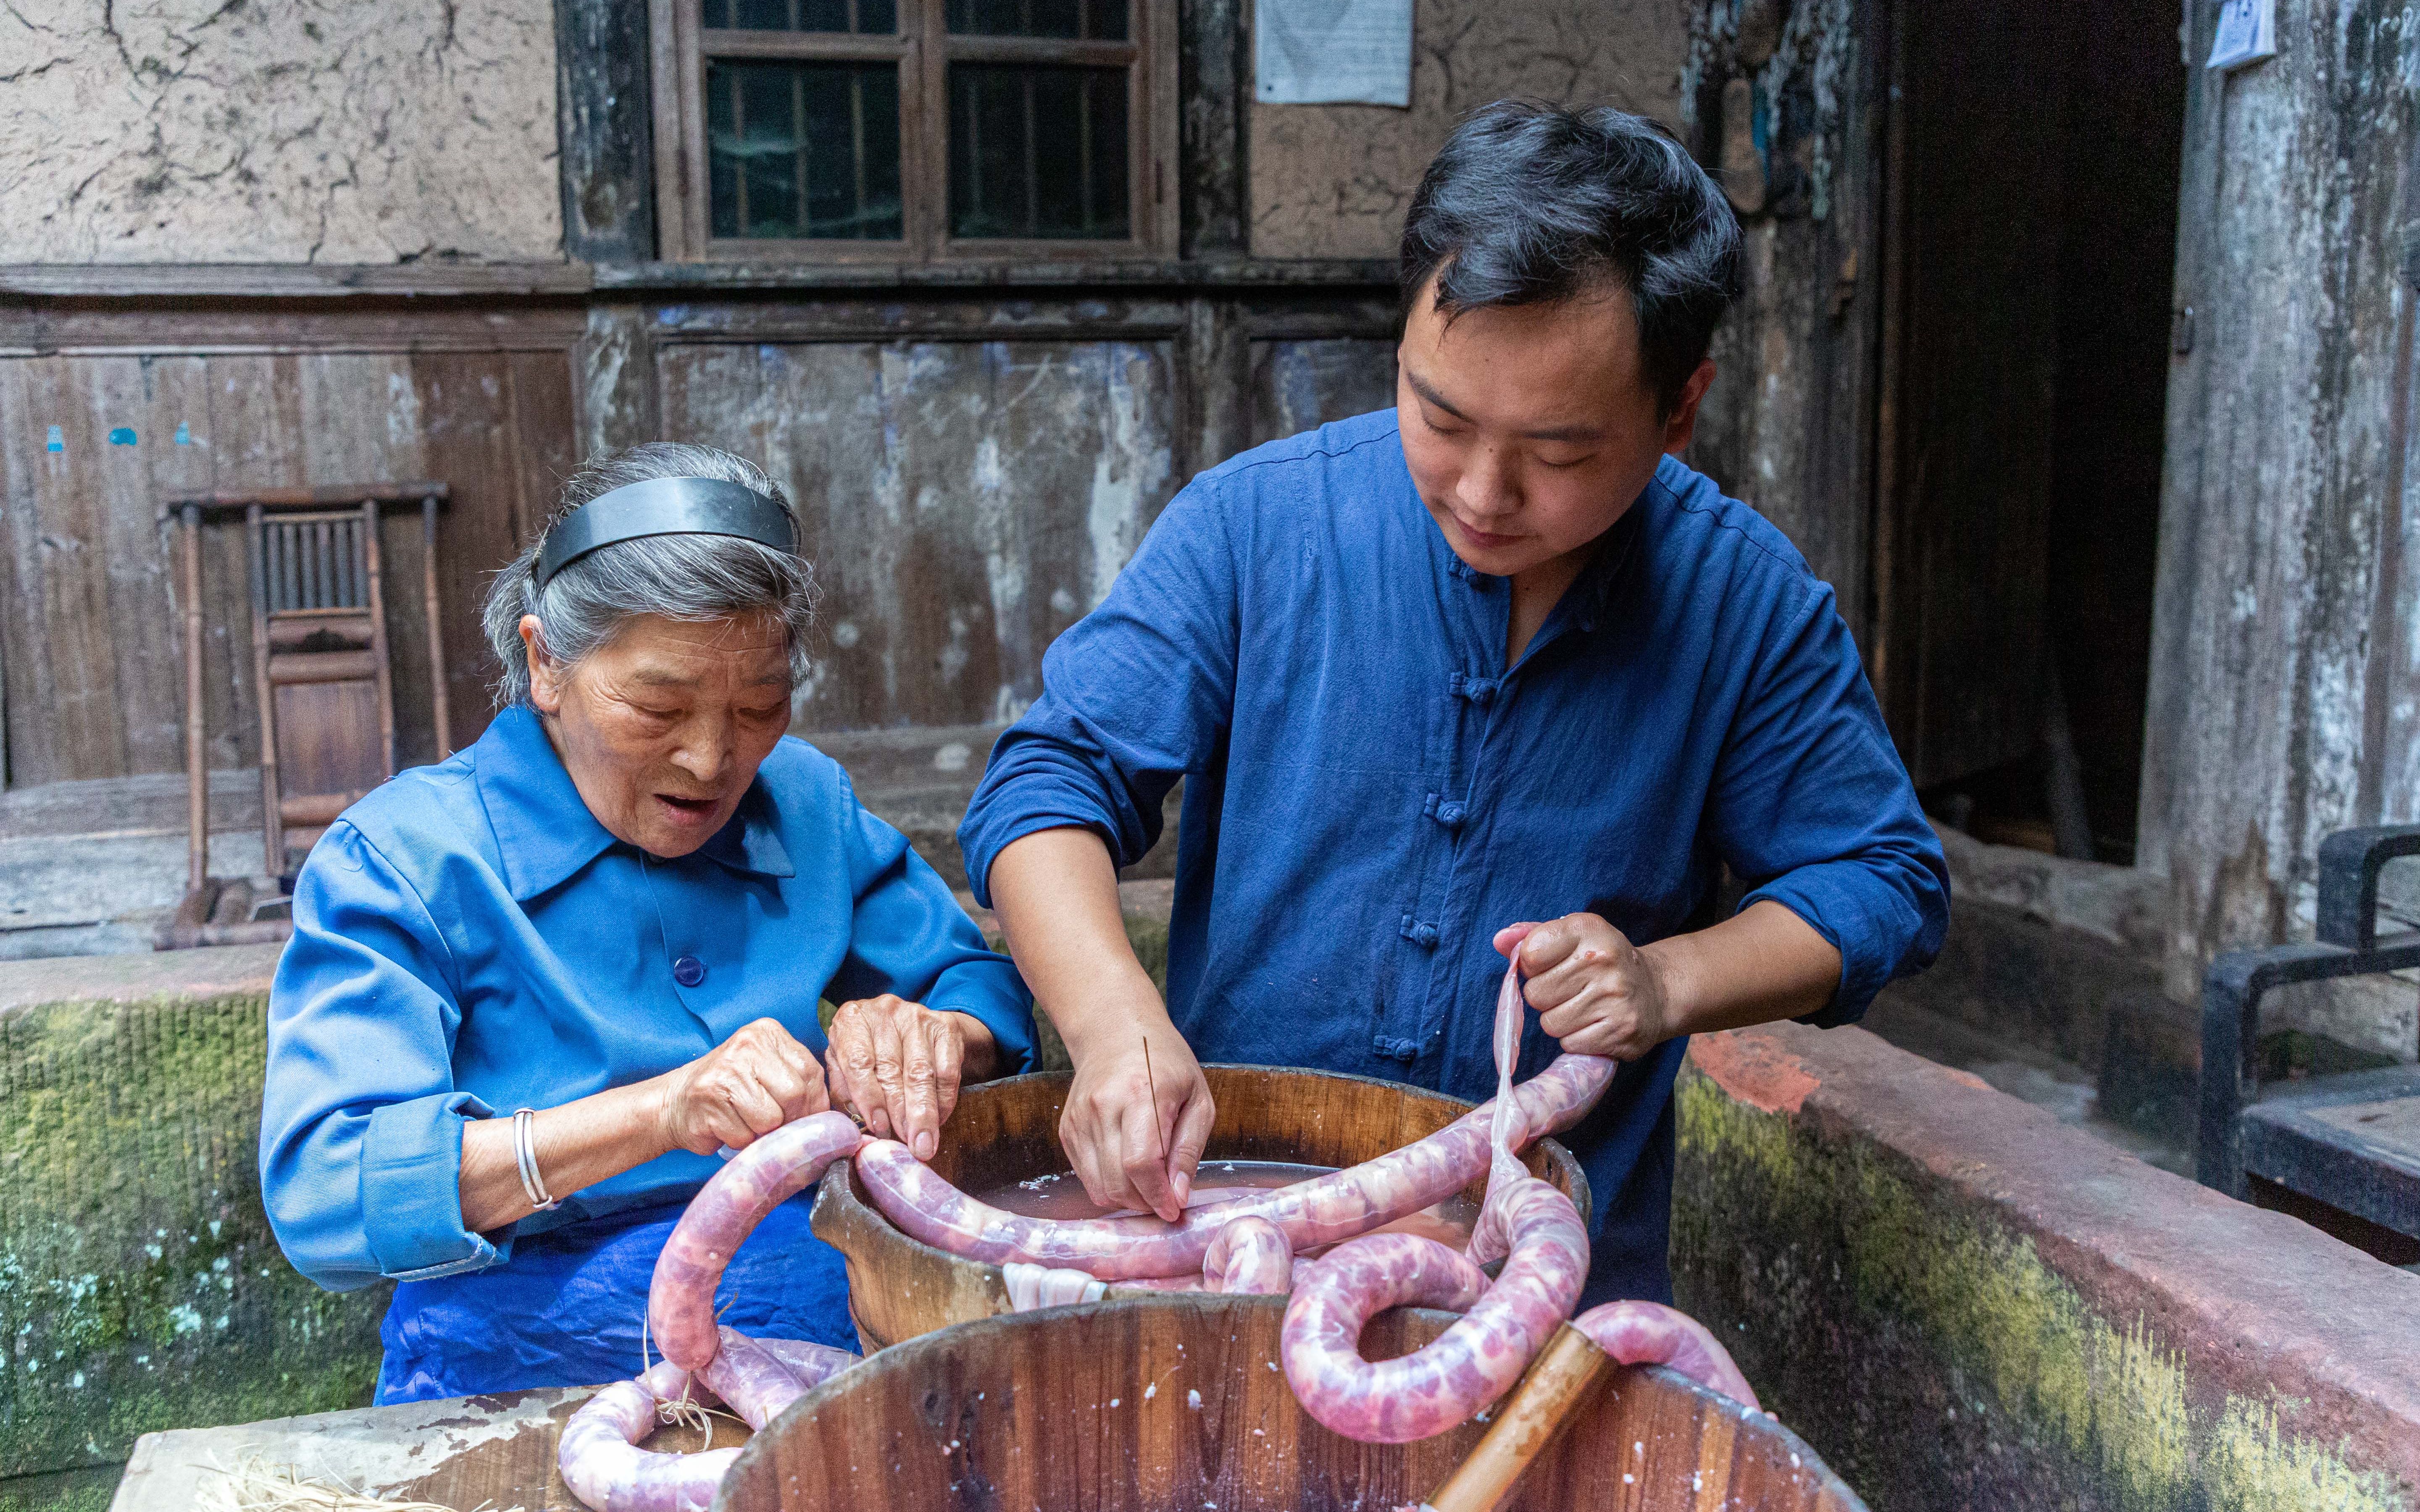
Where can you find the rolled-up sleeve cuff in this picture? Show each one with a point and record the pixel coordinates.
(983, 847)
(411, 1189)
(1864, 918)
(1034, 784)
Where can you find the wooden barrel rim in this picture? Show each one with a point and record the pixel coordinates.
(839, 1185)
(1009, 1335)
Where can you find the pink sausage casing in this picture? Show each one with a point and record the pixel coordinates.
(680, 1299)
(1249, 1255)
(1647, 1332)
(759, 1378)
(1468, 1365)
(755, 1377)
(1311, 1213)
(604, 1467)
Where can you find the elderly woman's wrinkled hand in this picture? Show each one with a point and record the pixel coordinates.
(751, 1084)
(897, 1065)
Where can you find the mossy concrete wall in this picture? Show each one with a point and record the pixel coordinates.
(140, 1287)
(1961, 1303)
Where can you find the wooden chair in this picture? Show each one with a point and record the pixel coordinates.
(322, 681)
(2351, 1140)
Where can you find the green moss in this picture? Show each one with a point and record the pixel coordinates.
(2106, 1397)
(140, 1287)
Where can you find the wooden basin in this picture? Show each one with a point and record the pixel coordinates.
(1095, 1408)
(1008, 1131)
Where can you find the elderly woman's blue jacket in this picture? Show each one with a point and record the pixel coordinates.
(469, 940)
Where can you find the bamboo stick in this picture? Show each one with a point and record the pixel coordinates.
(1556, 1384)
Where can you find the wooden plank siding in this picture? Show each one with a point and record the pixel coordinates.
(972, 473)
(1789, 423)
(2281, 696)
(963, 502)
(90, 634)
(1299, 384)
(1960, 631)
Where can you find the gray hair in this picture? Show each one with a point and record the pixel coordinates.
(695, 577)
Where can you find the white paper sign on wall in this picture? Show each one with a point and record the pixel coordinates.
(2248, 32)
(1332, 51)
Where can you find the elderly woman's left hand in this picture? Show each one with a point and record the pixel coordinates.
(896, 1064)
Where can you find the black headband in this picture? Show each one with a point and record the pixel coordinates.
(665, 506)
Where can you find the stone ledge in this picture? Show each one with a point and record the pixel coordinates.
(2121, 905)
(225, 971)
(1961, 1302)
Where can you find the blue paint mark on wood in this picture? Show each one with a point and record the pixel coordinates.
(184, 434)
(122, 435)
(58, 441)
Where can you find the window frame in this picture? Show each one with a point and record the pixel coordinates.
(923, 50)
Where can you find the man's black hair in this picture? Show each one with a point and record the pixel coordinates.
(1532, 204)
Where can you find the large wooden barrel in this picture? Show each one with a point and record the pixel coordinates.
(1008, 1131)
(1163, 1403)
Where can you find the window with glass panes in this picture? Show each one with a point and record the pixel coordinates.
(910, 127)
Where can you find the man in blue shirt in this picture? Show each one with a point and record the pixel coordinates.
(1494, 657)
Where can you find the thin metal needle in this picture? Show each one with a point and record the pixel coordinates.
(1155, 1127)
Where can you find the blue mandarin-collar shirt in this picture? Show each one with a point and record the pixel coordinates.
(469, 940)
(1371, 793)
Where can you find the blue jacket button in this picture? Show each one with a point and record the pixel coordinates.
(1450, 816)
(689, 971)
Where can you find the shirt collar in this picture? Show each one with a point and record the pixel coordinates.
(752, 841)
(544, 833)
(1587, 594)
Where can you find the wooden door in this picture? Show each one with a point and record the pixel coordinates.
(1969, 354)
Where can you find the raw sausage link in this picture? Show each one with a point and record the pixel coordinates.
(1251, 1254)
(813, 1363)
(1488, 1241)
(680, 1300)
(1463, 1369)
(1311, 1213)
(1647, 1332)
(756, 1378)
(604, 1467)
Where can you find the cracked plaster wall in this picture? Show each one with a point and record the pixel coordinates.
(1333, 181)
(277, 130)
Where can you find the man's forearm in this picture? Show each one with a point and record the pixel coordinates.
(1760, 965)
(1056, 895)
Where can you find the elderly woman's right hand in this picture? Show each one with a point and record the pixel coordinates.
(751, 1084)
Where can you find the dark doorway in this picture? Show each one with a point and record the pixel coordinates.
(2030, 230)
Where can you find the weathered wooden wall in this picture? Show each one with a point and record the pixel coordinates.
(1789, 112)
(972, 473)
(963, 502)
(90, 629)
(1299, 384)
(2284, 690)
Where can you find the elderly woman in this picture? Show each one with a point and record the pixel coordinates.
(533, 989)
